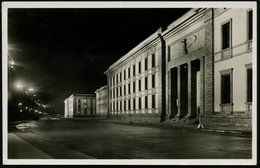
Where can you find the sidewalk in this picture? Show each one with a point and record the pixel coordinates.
(20, 149)
(229, 130)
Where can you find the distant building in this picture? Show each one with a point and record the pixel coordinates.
(80, 105)
(101, 101)
(202, 63)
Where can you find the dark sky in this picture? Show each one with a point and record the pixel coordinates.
(66, 51)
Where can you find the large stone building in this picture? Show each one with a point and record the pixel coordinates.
(101, 101)
(202, 63)
(80, 105)
(136, 90)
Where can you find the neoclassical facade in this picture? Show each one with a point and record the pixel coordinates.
(101, 101)
(80, 105)
(200, 65)
(135, 82)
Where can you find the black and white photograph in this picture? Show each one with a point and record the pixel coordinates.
(129, 83)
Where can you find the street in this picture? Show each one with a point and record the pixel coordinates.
(99, 139)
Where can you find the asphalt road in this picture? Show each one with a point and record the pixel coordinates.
(86, 139)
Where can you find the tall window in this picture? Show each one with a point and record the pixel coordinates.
(124, 89)
(145, 83)
(129, 72)
(226, 35)
(133, 104)
(133, 87)
(114, 82)
(146, 102)
(120, 106)
(226, 86)
(125, 105)
(153, 60)
(140, 103)
(129, 104)
(129, 88)
(250, 25)
(124, 74)
(120, 91)
(120, 76)
(145, 64)
(249, 84)
(153, 101)
(139, 66)
(133, 70)
(140, 85)
(153, 81)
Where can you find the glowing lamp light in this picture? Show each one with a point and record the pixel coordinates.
(19, 104)
(12, 63)
(26, 108)
(30, 89)
(19, 85)
(21, 110)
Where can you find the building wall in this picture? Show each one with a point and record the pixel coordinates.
(80, 105)
(235, 60)
(102, 101)
(192, 42)
(124, 101)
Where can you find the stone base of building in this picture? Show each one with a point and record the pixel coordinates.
(83, 116)
(137, 118)
(234, 120)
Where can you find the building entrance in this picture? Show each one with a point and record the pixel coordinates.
(185, 90)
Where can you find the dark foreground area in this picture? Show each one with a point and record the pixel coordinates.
(99, 139)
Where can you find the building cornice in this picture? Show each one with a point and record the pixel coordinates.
(184, 21)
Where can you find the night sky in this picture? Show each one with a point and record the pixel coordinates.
(67, 51)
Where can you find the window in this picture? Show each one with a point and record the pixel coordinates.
(78, 101)
(124, 89)
(139, 66)
(129, 104)
(153, 81)
(129, 88)
(249, 84)
(129, 72)
(125, 105)
(153, 101)
(124, 74)
(146, 102)
(140, 101)
(134, 104)
(114, 80)
(145, 64)
(120, 91)
(226, 35)
(169, 53)
(120, 76)
(140, 85)
(120, 105)
(133, 87)
(226, 86)
(133, 70)
(145, 83)
(153, 60)
(250, 25)
(116, 93)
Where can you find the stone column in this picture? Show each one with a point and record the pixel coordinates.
(189, 89)
(179, 90)
(169, 94)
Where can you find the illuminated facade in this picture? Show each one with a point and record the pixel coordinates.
(80, 105)
(135, 82)
(202, 63)
(101, 101)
